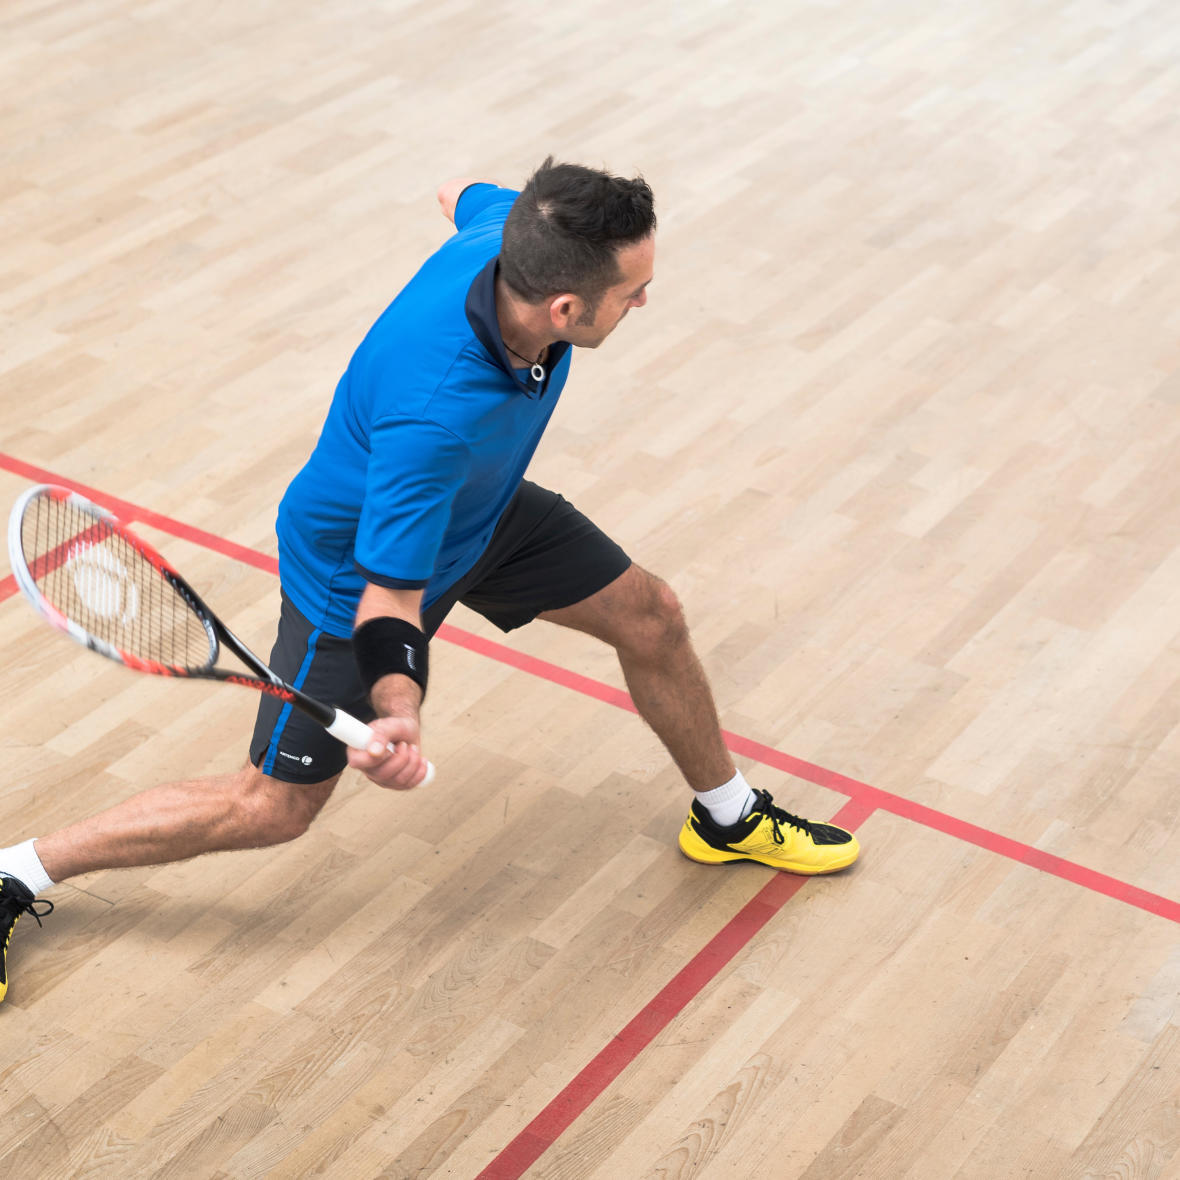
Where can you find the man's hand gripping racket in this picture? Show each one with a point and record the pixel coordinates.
(92, 578)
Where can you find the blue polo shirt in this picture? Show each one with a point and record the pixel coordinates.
(427, 439)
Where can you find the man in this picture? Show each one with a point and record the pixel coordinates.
(413, 500)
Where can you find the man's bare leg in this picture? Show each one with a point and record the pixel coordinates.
(640, 617)
(176, 821)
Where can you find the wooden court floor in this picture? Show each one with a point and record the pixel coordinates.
(900, 424)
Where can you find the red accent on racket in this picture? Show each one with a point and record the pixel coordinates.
(91, 577)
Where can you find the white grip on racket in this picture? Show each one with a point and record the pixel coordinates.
(352, 732)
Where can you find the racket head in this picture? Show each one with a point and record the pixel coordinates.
(89, 576)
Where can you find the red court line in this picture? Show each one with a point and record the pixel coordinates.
(970, 833)
(129, 513)
(51, 561)
(873, 797)
(519, 1155)
(868, 795)
(548, 1126)
(864, 799)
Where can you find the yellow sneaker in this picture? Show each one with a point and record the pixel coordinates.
(15, 899)
(770, 836)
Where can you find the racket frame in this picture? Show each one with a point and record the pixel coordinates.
(340, 724)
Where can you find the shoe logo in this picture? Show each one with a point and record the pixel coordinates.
(306, 759)
(762, 847)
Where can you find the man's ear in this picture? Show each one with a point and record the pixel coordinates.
(564, 310)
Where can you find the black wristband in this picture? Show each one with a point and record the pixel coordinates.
(385, 645)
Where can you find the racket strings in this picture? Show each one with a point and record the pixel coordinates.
(98, 579)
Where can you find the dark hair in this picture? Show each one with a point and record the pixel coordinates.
(564, 230)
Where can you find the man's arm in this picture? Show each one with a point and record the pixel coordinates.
(394, 693)
(450, 191)
(396, 700)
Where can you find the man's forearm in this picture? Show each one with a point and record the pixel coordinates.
(396, 695)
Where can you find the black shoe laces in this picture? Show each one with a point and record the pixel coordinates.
(778, 817)
(12, 907)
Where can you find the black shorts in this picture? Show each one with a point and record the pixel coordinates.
(543, 555)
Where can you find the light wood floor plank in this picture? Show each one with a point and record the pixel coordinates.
(900, 425)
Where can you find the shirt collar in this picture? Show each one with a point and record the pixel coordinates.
(481, 315)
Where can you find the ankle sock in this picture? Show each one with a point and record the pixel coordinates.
(22, 862)
(728, 803)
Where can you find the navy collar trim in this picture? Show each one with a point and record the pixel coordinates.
(481, 315)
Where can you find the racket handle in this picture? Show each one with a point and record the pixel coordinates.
(346, 728)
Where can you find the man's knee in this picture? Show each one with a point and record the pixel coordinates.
(638, 614)
(273, 812)
(655, 622)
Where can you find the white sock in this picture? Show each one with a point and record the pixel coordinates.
(22, 862)
(729, 802)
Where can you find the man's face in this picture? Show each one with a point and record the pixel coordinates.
(636, 266)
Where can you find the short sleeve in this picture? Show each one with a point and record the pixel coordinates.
(415, 470)
(477, 199)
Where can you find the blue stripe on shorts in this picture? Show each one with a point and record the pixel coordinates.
(272, 751)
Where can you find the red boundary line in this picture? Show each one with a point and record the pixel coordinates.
(876, 798)
(864, 799)
(873, 797)
(519, 1155)
(531, 1143)
(130, 513)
